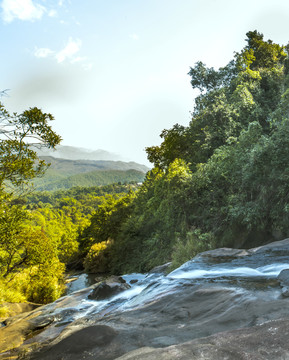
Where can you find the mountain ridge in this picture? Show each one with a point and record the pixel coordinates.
(77, 153)
(65, 173)
(86, 165)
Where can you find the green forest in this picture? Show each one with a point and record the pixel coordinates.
(65, 174)
(223, 180)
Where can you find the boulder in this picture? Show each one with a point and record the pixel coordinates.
(108, 288)
(275, 247)
(161, 269)
(224, 253)
(133, 281)
(283, 279)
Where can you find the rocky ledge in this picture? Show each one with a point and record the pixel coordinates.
(268, 341)
(223, 304)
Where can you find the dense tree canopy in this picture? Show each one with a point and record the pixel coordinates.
(25, 250)
(18, 162)
(222, 180)
(248, 89)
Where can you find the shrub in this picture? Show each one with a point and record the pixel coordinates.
(187, 248)
(96, 260)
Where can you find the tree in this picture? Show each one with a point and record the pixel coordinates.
(18, 132)
(24, 250)
(222, 180)
(249, 88)
(107, 220)
(173, 146)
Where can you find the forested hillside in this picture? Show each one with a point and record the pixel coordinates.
(55, 181)
(222, 180)
(40, 231)
(65, 173)
(40, 238)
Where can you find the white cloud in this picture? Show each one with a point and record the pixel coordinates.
(52, 13)
(78, 59)
(22, 10)
(69, 51)
(134, 36)
(43, 52)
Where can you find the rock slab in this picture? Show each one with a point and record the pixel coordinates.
(265, 342)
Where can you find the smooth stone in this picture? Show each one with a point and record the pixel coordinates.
(265, 342)
(108, 288)
(79, 342)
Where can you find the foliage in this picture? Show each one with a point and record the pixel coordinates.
(224, 175)
(96, 260)
(44, 283)
(63, 215)
(194, 243)
(53, 180)
(59, 229)
(106, 221)
(40, 284)
(18, 162)
(28, 258)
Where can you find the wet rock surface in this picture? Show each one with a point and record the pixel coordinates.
(221, 305)
(264, 342)
(82, 344)
(108, 288)
(14, 309)
(283, 279)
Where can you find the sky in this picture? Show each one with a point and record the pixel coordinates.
(114, 73)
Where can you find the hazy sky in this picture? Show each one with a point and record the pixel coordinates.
(114, 72)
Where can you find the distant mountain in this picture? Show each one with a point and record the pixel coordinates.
(65, 173)
(54, 181)
(77, 153)
(71, 167)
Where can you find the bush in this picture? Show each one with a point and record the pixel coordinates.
(39, 284)
(11, 291)
(44, 283)
(96, 260)
(194, 243)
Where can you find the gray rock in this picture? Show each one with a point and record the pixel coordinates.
(133, 281)
(82, 341)
(224, 253)
(108, 288)
(275, 247)
(161, 269)
(281, 246)
(192, 319)
(283, 279)
(265, 342)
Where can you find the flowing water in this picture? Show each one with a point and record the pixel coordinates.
(245, 277)
(217, 291)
